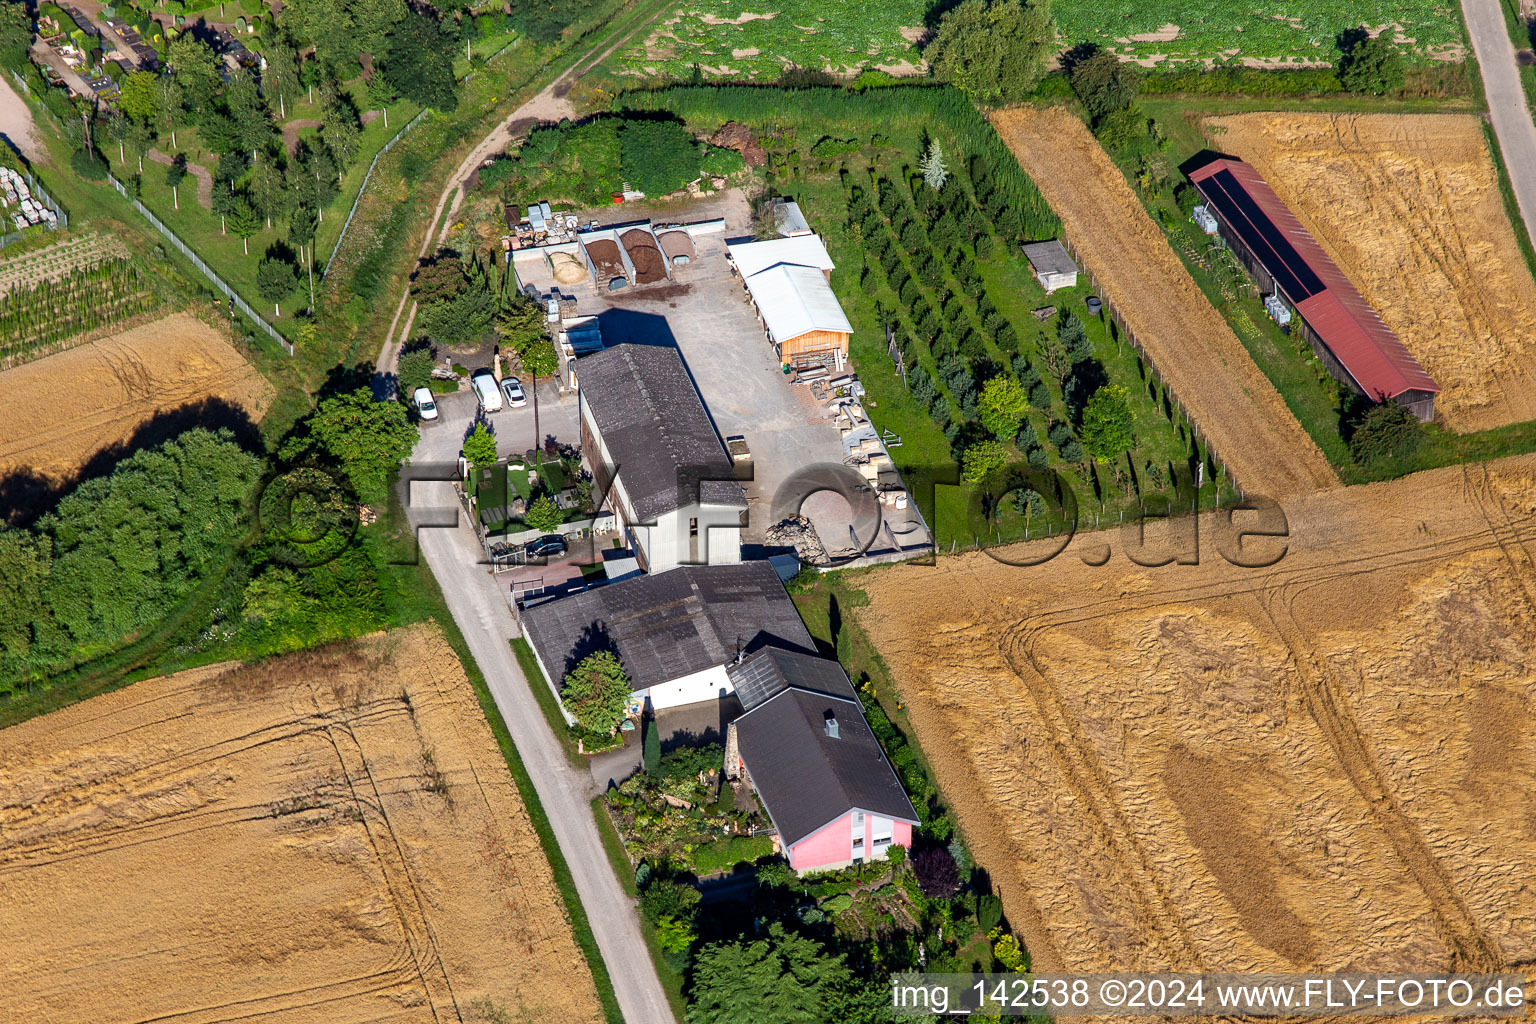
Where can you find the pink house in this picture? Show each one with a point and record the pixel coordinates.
(803, 743)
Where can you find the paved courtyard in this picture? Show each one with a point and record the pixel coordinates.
(704, 311)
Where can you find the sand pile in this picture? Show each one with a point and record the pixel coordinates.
(329, 837)
(1408, 205)
(1320, 765)
(568, 268)
(1240, 411)
(643, 253)
(56, 412)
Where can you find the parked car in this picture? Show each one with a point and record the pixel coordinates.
(485, 390)
(513, 389)
(422, 399)
(545, 546)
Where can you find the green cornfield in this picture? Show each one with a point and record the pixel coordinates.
(34, 320)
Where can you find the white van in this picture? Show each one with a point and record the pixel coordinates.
(486, 390)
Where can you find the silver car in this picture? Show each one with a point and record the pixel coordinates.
(513, 389)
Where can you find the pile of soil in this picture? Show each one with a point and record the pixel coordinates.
(737, 136)
(798, 532)
(605, 257)
(677, 243)
(649, 265)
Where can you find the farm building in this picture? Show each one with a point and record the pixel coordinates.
(787, 280)
(788, 219)
(676, 632)
(803, 743)
(1052, 266)
(656, 458)
(1283, 257)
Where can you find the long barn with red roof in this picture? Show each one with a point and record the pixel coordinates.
(1342, 328)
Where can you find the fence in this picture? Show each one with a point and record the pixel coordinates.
(364, 187)
(1196, 434)
(197, 262)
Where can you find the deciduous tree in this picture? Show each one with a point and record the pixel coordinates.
(1109, 429)
(995, 51)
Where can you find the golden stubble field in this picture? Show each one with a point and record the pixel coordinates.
(1193, 348)
(1327, 764)
(331, 837)
(1408, 205)
(58, 411)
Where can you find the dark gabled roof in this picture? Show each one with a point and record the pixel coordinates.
(766, 675)
(1309, 278)
(669, 624)
(805, 776)
(656, 430)
(1049, 257)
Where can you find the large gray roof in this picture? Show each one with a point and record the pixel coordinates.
(806, 777)
(669, 624)
(653, 423)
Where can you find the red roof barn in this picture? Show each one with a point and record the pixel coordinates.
(1343, 329)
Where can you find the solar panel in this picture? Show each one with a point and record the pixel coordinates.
(1266, 241)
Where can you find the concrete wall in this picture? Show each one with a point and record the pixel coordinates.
(689, 689)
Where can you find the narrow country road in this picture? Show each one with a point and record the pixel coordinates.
(1507, 107)
(479, 606)
(548, 104)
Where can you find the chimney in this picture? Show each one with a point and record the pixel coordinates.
(832, 725)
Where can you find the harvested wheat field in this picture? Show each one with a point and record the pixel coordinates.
(1329, 764)
(56, 412)
(331, 836)
(1242, 414)
(1408, 205)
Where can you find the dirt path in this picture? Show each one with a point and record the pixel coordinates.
(1314, 765)
(198, 171)
(291, 130)
(16, 121)
(1244, 417)
(549, 104)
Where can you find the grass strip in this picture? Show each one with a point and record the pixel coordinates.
(547, 702)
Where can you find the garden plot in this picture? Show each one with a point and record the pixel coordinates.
(332, 836)
(58, 260)
(1409, 207)
(1243, 416)
(1314, 766)
(57, 412)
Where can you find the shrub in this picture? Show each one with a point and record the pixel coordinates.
(543, 514)
(936, 872)
(989, 912)
(1370, 64)
(415, 369)
(839, 904)
(723, 854)
(652, 747)
(1009, 953)
(664, 898)
(658, 156)
(1387, 431)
